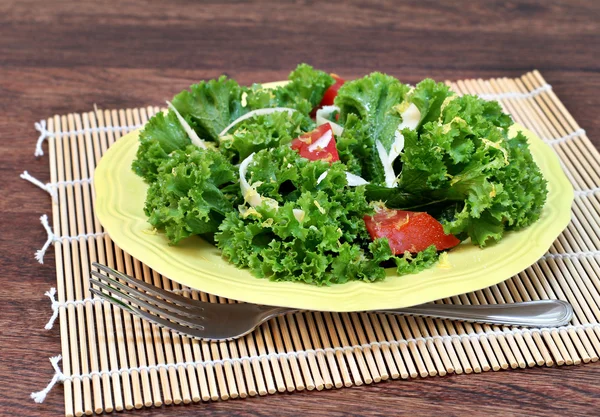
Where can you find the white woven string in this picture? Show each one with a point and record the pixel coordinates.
(39, 255)
(56, 305)
(588, 192)
(572, 135)
(60, 377)
(52, 187)
(571, 255)
(516, 95)
(40, 396)
(45, 133)
(46, 187)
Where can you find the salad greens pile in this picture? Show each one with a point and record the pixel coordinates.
(241, 185)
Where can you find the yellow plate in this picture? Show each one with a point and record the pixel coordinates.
(120, 196)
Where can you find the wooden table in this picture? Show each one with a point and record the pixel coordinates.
(58, 57)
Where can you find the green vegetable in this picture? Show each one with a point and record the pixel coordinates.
(458, 164)
(356, 149)
(429, 98)
(465, 159)
(322, 248)
(510, 199)
(309, 83)
(211, 105)
(162, 135)
(315, 247)
(374, 100)
(187, 198)
(412, 264)
(265, 131)
(303, 93)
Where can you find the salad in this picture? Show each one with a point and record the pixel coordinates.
(325, 181)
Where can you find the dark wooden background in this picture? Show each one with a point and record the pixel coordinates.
(58, 57)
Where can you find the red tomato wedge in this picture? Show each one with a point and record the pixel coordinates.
(318, 144)
(332, 91)
(408, 230)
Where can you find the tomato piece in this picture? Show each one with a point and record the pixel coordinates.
(318, 144)
(332, 91)
(408, 230)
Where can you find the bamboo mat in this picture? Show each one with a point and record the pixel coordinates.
(113, 361)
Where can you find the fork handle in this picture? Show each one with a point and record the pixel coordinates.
(542, 313)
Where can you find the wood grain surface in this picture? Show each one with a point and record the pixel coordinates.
(58, 57)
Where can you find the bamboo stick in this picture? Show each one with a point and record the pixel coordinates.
(330, 339)
(357, 337)
(309, 369)
(95, 328)
(332, 321)
(364, 364)
(285, 363)
(66, 224)
(187, 376)
(264, 362)
(375, 334)
(322, 358)
(56, 157)
(103, 255)
(94, 152)
(298, 365)
(273, 362)
(316, 370)
(167, 342)
(387, 334)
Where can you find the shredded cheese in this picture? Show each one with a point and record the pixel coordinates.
(319, 207)
(388, 169)
(411, 116)
(322, 142)
(353, 180)
(249, 192)
(299, 214)
(188, 129)
(323, 115)
(444, 262)
(259, 112)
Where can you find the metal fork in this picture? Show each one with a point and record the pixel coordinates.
(212, 321)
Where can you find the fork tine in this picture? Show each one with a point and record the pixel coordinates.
(176, 308)
(130, 297)
(159, 321)
(149, 287)
(109, 298)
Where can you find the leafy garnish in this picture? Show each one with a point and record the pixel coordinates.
(187, 198)
(374, 99)
(466, 157)
(162, 135)
(211, 105)
(412, 264)
(265, 131)
(303, 93)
